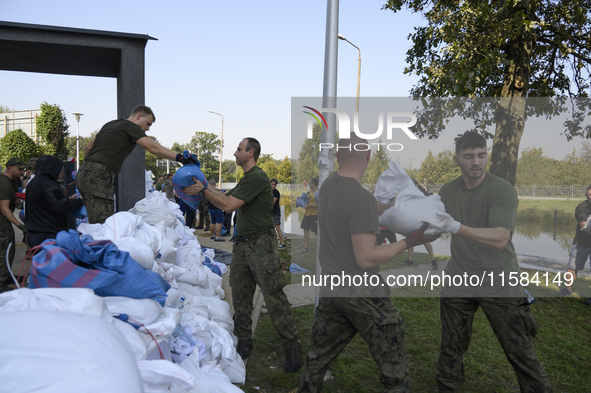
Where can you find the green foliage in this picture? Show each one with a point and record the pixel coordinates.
(534, 168)
(53, 128)
(17, 144)
(378, 163)
(208, 146)
(284, 175)
(440, 169)
(229, 170)
(70, 145)
(499, 48)
(307, 163)
(5, 108)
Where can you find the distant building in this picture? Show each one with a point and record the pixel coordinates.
(25, 120)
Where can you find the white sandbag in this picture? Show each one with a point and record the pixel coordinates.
(214, 382)
(215, 370)
(81, 300)
(140, 311)
(172, 235)
(120, 225)
(215, 282)
(167, 252)
(149, 236)
(218, 309)
(138, 251)
(410, 210)
(391, 182)
(157, 347)
(133, 338)
(162, 375)
(97, 231)
(165, 324)
(172, 295)
(234, 369)
(187, 234)
(587, 227)
(64, 352)
(188, 255)
(209, 252)
(196, 275)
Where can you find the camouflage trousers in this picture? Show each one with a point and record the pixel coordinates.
(512, 321)
(337, 321)
(256, 261)
(203, 214)
(95, 183)
(6, 237)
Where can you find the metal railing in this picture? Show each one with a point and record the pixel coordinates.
(536, 191)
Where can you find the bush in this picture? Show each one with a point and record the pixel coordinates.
(17, 144)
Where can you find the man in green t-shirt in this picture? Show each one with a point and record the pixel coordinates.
(104, 156)
(8, 187)
(481, 212)
(255, 258)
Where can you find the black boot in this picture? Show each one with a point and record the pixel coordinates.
(293, 358)
(244, 347)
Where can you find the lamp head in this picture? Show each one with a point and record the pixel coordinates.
(341, 37)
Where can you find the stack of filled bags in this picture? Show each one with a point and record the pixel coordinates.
(158, 325)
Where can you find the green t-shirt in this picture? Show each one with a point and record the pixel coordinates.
(256, 215)
(492, 204)
(7, 189)
(114, 142)
(345, 208)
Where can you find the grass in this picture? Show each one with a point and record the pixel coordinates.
(541, 211)
(563, 345)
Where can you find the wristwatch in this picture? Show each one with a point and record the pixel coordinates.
(202, 192)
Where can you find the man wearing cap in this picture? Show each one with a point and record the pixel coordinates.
(104, 156)
(8, 187)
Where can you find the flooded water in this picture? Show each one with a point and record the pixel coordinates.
(534, 246)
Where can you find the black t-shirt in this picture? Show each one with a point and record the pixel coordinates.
(582, 213)
(276, 208)
(114, 142)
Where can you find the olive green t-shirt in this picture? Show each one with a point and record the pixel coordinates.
(492, 204)
(345, 208)
(114, 143)
(7, 189)
(256, 215)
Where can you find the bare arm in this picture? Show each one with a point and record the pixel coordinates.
(156, 149)
(487, 237)
(228, 204)
(368, 255)
(89, 146)
(5, 209)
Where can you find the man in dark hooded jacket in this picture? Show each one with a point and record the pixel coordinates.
(47, 205)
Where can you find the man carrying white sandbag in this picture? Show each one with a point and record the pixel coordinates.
(348, 221)
(255, 258)
(481, 212)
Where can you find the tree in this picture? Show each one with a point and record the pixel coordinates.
(53, 128)
(534, 167)
(70, 144)
(209, 152)
(5, 108)
(440, 169)
(507, 49)
(307, 163)
(378, 163)
(284, 175)
(571, 170)
(17, 144)
(229, 170)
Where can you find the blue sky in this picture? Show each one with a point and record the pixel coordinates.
(244, 60)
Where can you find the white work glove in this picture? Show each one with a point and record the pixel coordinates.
(443, 223)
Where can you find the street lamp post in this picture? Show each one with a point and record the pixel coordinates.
(358, 70)
(78, 116)
(221, 147)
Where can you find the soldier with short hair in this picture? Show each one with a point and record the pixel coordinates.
(8, 187)
(255, 259)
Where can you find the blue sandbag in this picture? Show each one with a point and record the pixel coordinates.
(184, 178)
(303, 200)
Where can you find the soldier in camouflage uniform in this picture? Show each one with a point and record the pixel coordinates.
(348, 225)
(481, 211)
(104, 156)
(8, 187)
(255, 258)
(203, 214)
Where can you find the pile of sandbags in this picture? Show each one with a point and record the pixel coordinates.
(411, 207)
(184, 345)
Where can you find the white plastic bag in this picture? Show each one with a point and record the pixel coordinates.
(391, 182)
